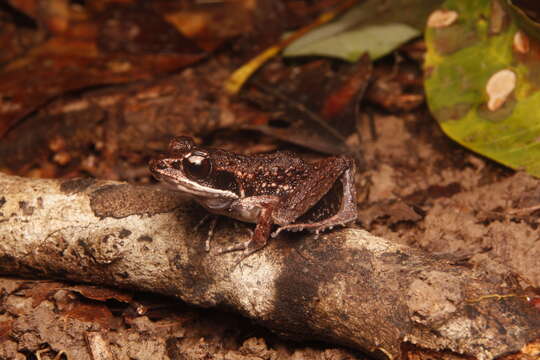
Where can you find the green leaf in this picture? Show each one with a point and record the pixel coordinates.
(376, 40)
(461, 59)
(373, 27)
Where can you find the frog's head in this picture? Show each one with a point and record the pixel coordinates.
(192, 170)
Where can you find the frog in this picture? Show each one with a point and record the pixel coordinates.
(273, 190)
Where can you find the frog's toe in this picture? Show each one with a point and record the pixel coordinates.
(239, 247)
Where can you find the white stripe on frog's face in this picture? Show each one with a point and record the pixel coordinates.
(183, 184)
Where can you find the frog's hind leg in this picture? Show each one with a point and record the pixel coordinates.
(346, 213)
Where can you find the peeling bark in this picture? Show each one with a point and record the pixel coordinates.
(347, 287)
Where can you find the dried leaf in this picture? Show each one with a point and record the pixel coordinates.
(41, 290)
(101, 293)
(92, 312)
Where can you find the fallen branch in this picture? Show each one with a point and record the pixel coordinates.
(347, 287)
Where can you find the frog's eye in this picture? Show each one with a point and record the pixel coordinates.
(197, 166)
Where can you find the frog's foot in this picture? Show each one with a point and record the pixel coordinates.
(212, 222)
(260, 236)
(315, 228)
(239, 247)
(248, 247)
(340, 219)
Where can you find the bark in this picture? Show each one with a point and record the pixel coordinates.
(347, 286)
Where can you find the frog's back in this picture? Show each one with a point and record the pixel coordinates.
(272, 174)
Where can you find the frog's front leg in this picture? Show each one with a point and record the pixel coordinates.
(257, 209)
(262, 229)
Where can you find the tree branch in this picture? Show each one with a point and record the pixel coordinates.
(347, 287)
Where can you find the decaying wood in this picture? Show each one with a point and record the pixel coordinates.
(347, 286)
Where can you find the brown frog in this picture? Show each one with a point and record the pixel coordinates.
(267, 189)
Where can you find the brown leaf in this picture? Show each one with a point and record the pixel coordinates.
(101, 293)
(91, 312)
(40, 291)
(5, 329)
(312, 105)
(89, 46)
(348, 92)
